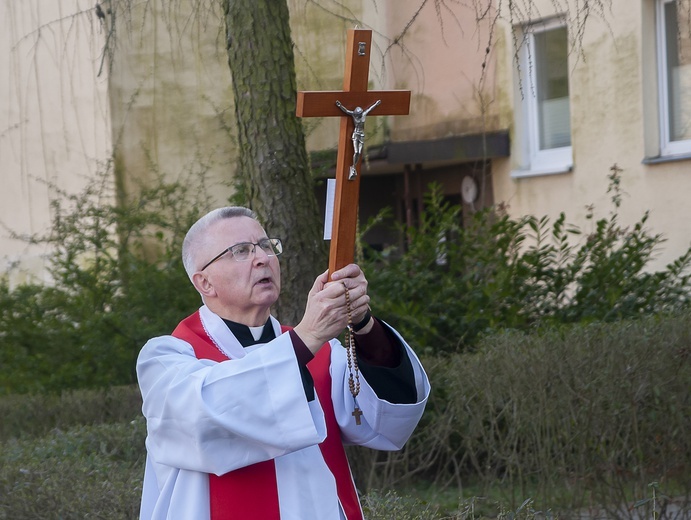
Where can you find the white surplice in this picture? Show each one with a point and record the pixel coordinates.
(208, 417)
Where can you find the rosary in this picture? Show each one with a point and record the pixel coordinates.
(353, 370)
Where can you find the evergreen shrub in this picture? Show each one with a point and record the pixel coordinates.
(117, 280)
(452, 284)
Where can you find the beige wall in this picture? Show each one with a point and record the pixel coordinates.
(440, 61)
(165, 106)
(171, 97)
(54, 116)
(611, 108)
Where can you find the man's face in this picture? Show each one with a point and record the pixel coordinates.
(241, 291)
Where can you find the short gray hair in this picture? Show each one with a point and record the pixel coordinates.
(197, 233)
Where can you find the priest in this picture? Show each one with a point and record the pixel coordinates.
(247, 418)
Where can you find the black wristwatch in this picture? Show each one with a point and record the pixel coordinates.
(364, 321)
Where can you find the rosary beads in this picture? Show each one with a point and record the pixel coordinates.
(353, 369)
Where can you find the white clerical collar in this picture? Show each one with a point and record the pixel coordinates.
(257, 332)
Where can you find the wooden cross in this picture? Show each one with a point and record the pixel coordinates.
(353, 95)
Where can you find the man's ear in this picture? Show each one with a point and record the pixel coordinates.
(203, 285)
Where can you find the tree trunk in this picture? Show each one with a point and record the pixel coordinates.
(273, 169)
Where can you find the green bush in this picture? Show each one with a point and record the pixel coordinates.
(117, 280)
(454, 283)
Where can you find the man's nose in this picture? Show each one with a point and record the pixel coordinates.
(260, 256)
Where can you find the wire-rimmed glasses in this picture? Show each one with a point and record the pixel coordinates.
(244, 250)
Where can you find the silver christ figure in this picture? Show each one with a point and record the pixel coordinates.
(358, 138)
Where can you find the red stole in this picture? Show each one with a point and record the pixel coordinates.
(252, 492)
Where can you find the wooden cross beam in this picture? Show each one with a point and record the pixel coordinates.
(326, 103)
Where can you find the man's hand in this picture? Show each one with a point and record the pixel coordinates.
(326, 312)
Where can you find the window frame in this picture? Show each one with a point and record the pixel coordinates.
(533, 160)
(668, 148)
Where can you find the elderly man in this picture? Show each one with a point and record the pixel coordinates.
(246, 419)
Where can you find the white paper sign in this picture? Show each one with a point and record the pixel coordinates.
(329, 216)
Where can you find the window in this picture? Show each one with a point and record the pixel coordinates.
(674, 59)
(544, 115)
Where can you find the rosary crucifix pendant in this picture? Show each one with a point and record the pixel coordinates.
(357, 413)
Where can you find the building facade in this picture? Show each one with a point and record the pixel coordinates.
(530, 109)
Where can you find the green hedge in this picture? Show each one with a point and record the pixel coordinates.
(572, 417)
(83, 472)
(36, 415)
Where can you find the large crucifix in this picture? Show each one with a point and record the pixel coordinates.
(352, 104)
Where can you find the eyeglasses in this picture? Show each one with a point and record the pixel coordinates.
(244, 250)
